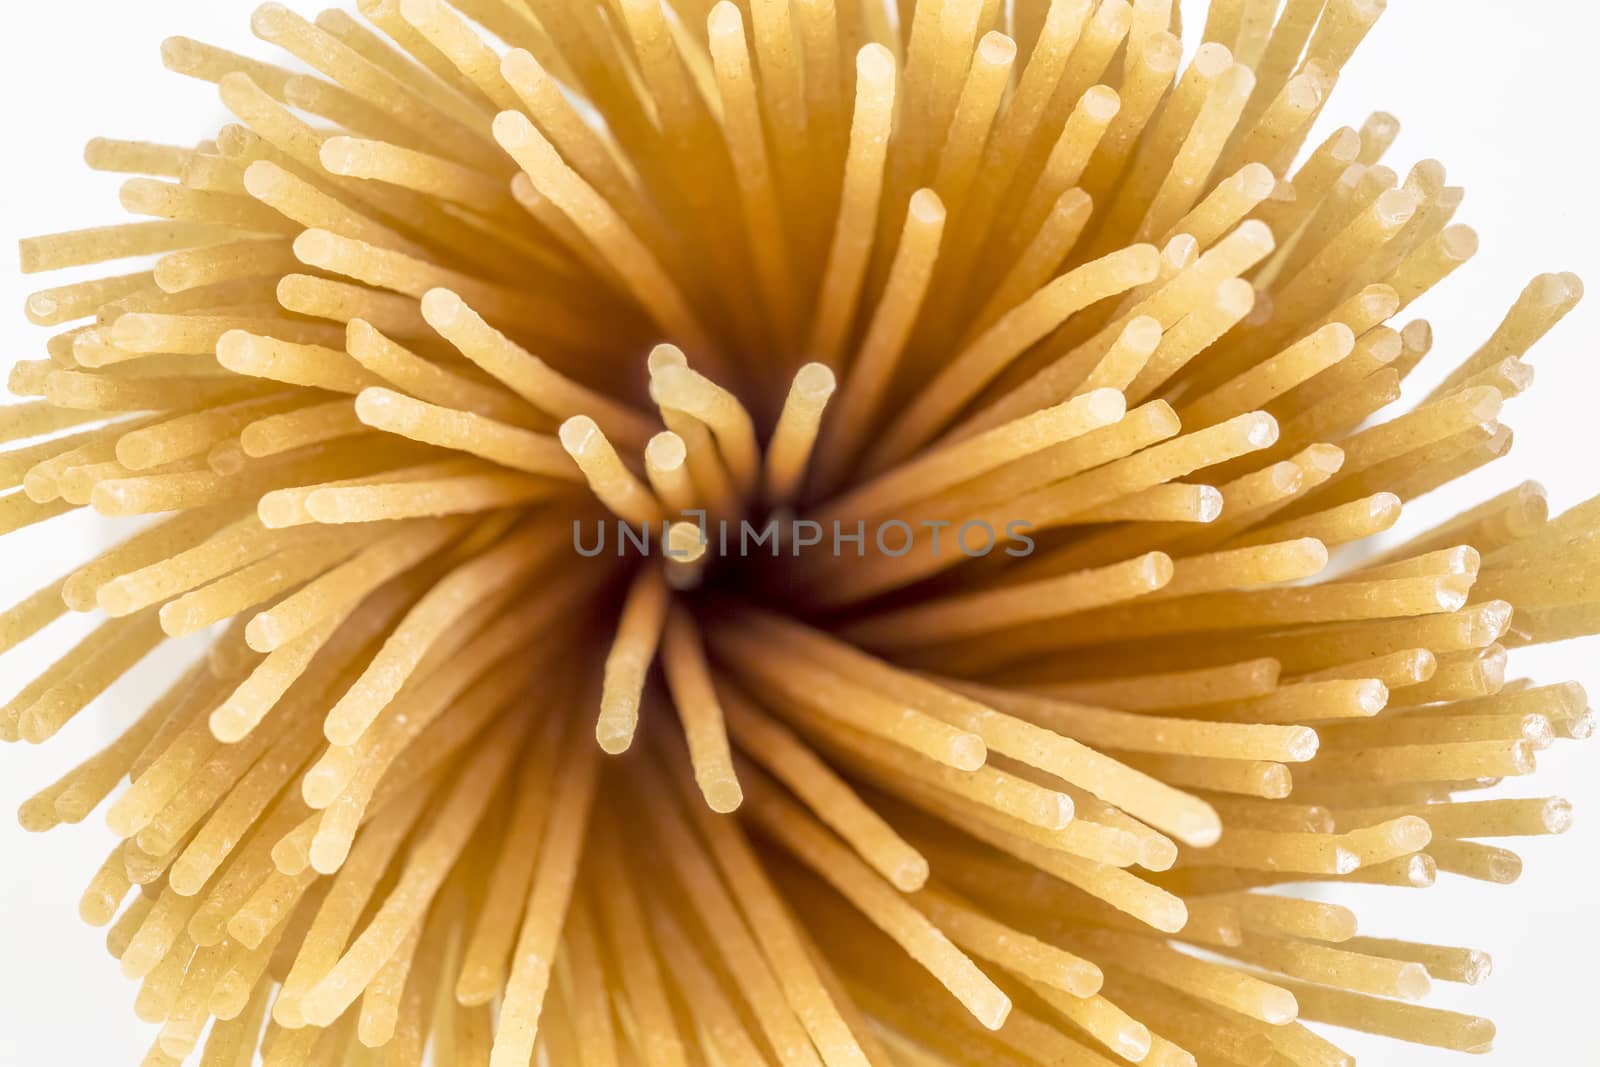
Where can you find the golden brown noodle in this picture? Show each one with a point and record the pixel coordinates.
(685, 265)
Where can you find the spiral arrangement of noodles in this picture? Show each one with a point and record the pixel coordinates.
(468, 342)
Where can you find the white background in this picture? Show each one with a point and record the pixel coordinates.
(1502, 93)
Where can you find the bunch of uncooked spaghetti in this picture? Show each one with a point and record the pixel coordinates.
(469, 277)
